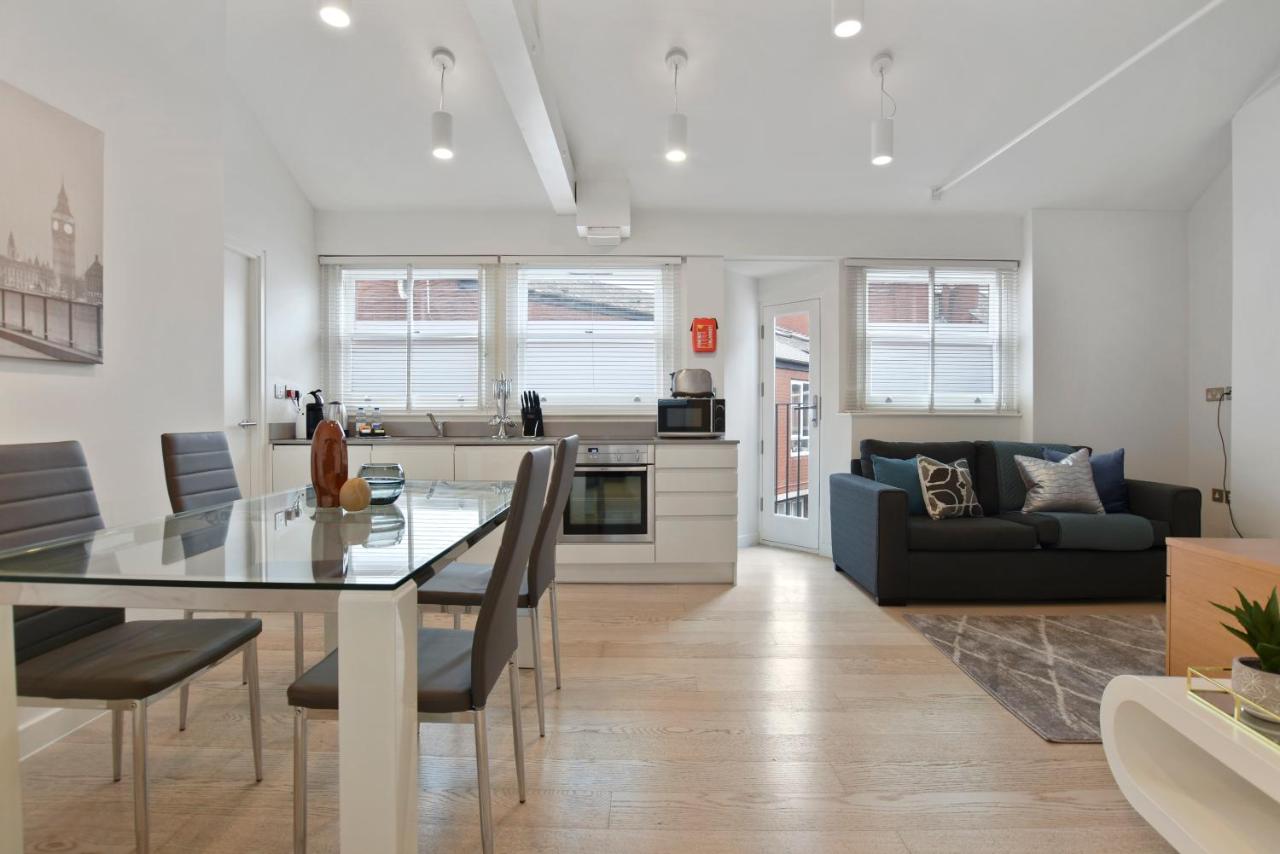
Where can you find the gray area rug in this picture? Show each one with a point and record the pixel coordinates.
(1049, 671)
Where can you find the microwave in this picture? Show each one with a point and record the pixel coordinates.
(691, 417)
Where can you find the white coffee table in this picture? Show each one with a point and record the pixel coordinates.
(1201, 782)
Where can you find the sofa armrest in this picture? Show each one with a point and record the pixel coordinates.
(869, 535)
(1179, 506)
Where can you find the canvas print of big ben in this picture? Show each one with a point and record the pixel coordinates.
(51, 225)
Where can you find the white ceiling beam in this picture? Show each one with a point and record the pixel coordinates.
(510, 36)
(1208, 7)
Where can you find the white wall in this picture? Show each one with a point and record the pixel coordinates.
(1209, 343)
(1255, 308)
(1110, 335)
(149, 75)
(740, 341)
(266, 212)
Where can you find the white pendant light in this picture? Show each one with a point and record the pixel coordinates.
(882, 127)
(442, 121)
(846, 17)
(336, 13)
(677, 122)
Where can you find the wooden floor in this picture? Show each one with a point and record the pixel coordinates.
(788, 714)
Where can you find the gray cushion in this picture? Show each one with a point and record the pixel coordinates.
(463, 584)
(131, 661)
(968, 535)
(1109, 532)
(1064, 487)
(444, 675)
(1011, 492)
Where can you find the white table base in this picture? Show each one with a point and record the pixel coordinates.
(1204, 785)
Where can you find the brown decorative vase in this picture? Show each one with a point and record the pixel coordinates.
(328, 463)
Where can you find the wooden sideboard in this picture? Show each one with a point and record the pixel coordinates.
(1202, 571)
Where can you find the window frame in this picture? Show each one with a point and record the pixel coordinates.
(1000, 334)
(798, 439)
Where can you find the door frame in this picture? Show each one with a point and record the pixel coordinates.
(769, 463)
(260, 443)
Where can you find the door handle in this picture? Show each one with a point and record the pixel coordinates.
(246, 424)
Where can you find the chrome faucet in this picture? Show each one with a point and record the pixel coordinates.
(436, 424)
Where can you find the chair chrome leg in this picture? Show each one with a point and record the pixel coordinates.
(537, 671)
(517, 725)
(555, 632)
(482, 780)
(299, 780)
(184, 693)
(299, 663)
(141, 809)
(117, 743)
(255, 706)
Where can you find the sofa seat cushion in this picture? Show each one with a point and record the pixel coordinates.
(1107, 532)
(968, 535)
(1045, 526)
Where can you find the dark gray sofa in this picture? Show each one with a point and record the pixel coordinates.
(1004, 556)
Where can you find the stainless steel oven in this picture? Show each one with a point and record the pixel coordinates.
(611, 500)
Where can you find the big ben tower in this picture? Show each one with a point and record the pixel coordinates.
(63, 226)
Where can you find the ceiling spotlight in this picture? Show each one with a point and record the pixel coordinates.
(846, 17)
(882, 127)
(677, 122)
(336, 13)
(441, 121)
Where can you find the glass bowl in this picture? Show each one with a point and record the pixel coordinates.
(386, 481)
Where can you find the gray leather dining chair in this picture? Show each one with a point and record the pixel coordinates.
(90, 657)
(457, 670)
(462, 585)
(199, 473)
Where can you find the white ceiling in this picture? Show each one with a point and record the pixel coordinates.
(778, 108)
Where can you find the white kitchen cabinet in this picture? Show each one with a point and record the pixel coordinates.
(291, 464)
(488, 462)
(697, 504)
(420, 462)
(695, 456)
(697, 480)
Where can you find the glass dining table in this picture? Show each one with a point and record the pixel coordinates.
(279, 553)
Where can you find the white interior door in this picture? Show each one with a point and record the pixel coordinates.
(790, 418)
(242, 359)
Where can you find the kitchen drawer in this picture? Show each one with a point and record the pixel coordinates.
(697, 504)
(420, 462)
(603, 553)
(290, 467)
(715, 456)
(697, 480)
(707, 540)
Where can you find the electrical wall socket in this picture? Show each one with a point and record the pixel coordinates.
(1213, 395)
(278, 391)
(1221, 496)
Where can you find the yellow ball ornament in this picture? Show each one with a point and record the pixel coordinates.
(355, 495)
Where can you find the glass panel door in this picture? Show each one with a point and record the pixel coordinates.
(789, 423)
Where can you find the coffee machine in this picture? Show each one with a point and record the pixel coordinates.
(315, 412)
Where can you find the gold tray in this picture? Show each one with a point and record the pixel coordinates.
(1211, 687)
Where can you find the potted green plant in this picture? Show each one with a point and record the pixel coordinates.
(1257, 679)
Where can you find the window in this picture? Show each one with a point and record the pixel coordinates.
(928, 337)
(800, 401)
(592, 337)
(407, 339)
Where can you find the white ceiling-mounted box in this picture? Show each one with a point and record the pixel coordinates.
(604, 211)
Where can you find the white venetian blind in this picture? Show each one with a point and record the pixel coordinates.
(407, 338)
(586, 337)
(931, 337)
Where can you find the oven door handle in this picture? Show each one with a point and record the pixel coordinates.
(605, 467)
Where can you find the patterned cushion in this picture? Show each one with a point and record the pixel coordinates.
(1065, 487)
(948, 489)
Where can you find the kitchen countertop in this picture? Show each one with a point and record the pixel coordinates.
(483, 440)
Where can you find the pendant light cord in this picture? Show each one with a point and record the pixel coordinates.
(675, 88)
(884, 94)
(442, 69)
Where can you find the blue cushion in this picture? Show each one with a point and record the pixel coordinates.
(903, 474)
(1108, 477)
(1115, 532)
